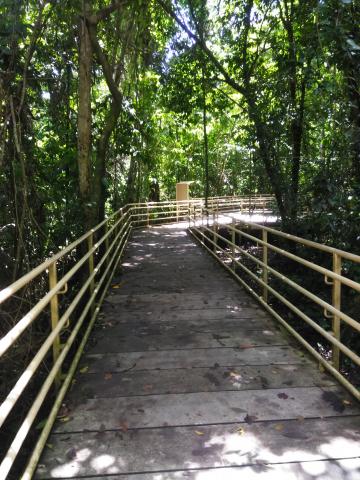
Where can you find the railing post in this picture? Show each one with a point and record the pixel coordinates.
(265, 275)
(148, 215)
(233, 238)
(106, 229)
(336, 301)
(118, 218)
(214, 230)
(90, 242)
(54, 311)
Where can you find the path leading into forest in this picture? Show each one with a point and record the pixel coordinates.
(186, 377)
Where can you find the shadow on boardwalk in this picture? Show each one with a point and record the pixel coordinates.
(187, 378)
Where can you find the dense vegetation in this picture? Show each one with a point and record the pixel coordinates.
(101, 100)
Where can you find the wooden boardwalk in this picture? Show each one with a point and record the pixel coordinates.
(187, 378)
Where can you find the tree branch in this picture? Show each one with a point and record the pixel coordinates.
(202, 44)
(105, 12)
(38, 26)
(102, 59)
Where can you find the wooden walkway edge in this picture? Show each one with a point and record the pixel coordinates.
(186, 377)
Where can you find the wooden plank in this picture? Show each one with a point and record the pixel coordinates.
(147, 328)
(261, 445)
(347, 469)
(168, 341)
(204, 315)
(222, 357)
(187, 284)
(207, 408)
(232, 301)
(180, 284)
(132, 383)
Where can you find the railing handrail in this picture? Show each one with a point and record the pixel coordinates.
(208, 233)
(310, 243)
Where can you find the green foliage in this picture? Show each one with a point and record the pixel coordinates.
(284, 48)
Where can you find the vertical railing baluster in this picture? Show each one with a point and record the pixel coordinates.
(233, 238)
(265, 274)
(336, 301)
(106, 229)
(90, 242)
(54, 311)
(214, 230)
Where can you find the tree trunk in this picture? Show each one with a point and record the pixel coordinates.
(131, 182)
(102, 148)
(84, 119)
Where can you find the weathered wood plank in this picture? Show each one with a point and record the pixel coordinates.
(261, 445)
(146, 328)
(168, 341)
(143, 322)
(107, 384)
(347, 469)
(207, 408)
(222, 357)
(232, 300)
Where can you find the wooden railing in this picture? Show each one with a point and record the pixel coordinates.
(70, 302)
(210, 232)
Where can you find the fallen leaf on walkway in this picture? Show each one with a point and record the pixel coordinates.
(199, 433)
(118, 285)
(240, 431)
(71, 454)
(124, 426)
(84, 369)
(148, 387)
(283, 396)
(346, 402)
(63, 412)
(246, 345)
(300, 419)
(108, 376)
(64, 419)
(279, 427)
(250, 419)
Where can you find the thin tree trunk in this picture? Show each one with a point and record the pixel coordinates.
(131, 182)
(84, 118)
(206, 145)
(102, 148)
